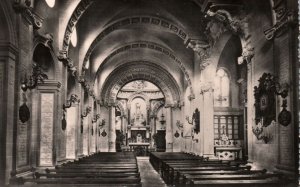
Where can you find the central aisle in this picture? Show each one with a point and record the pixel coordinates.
(149, 177)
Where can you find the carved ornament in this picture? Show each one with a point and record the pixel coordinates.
(24, 8)
(284, 19)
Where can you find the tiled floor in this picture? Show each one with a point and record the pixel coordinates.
(150, 178)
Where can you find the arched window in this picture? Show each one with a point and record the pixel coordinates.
(221, 91)
(50, 3)
(74, 37)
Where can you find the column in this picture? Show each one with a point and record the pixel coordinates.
(250, 111)
(112, 130)
(208, 126)
(169, 130)
(85, 136)
(71, 118)
(153, 129)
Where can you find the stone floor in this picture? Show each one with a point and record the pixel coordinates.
(150, 178)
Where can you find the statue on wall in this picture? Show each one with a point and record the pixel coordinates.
(195, 120)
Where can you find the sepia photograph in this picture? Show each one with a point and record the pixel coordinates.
(149, 93)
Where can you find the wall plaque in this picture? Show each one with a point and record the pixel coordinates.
(46, 142)
(22, 145)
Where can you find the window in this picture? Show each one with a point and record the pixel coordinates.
(50, 3)
(74, 37)
(231, 126)
(221, 91)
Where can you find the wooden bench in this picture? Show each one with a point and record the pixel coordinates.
(269, 182)
(99, 181)
(169, 177)
(104, 169)
(182, 175)
(87, 175)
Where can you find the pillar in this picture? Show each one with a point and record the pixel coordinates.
(71, 131)
(85, 136)
(169, 130)
(208, 120)
(250, 111)
(112, 130)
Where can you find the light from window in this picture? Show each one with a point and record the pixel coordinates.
(87, 65)
(221, 91)
(74, 37)
(50, 3)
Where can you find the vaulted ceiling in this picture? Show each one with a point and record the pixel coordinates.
(115, 32)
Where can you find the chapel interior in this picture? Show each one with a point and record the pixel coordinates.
(109, 92)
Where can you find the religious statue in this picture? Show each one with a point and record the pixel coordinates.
(139, 138)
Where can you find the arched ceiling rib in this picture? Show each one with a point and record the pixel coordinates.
(175, 61)
(133, 55)
(145, 20)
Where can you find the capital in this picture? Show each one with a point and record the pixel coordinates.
(207, 87)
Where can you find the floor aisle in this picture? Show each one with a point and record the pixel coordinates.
(150, 178)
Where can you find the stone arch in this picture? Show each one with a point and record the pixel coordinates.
(138, 70)
(156, 107)
(121, 107)
(152, 46)
(77, 13)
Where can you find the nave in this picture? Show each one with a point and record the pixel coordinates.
(211, 85)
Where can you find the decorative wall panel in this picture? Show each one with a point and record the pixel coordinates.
(71, 133)
(22, 145)
(46, 141)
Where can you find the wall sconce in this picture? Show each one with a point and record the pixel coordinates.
(87, 111)
(162, 119)
(102, 124)
(258, 131)
(95, 119)
(73, 99)
(32, 81)
(103, 133)
(188, 120)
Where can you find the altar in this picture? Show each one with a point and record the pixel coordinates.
(140, 149)
(228, 152)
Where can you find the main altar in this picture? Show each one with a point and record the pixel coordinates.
(138, 132)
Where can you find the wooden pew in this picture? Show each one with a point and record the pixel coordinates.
(181, 176)
(108, 169)
(269, 182)
(86, 175)
(170, 176)
(189, 179)
(124, 181)
(156, 158)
